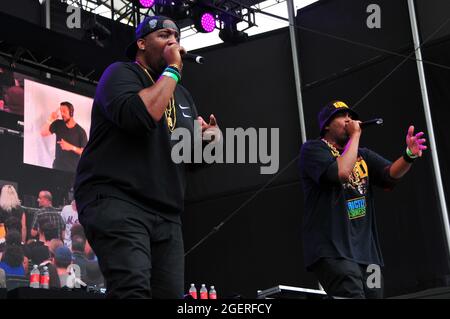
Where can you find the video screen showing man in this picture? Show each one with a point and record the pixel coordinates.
(71, 138)
(56, 126)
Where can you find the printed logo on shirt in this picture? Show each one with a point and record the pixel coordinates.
(356, 207)
(359, 178)
(184, 108)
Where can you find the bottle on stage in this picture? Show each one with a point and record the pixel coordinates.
(203, 292)
(212, 293)
(193, 291)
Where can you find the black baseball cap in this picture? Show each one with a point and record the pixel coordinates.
(330, 110)
(147, 26)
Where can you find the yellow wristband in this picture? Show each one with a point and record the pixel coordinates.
(175, 66)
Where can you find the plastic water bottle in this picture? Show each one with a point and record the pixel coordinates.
(193, 291)
(35, 277)
(203, 292)
(212, 293)
(45, 278)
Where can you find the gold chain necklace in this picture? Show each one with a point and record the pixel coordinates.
(170, 111)
(333, 149)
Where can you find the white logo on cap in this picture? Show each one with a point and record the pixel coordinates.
(153, 23)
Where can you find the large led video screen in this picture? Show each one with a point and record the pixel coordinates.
(56, 126)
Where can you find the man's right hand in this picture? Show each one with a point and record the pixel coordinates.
(53, 116)
(353, 127)
(172, 54)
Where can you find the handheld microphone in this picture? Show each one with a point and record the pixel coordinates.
(378, 121)
(193, 57)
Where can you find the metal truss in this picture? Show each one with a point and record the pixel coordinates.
(126, 11)
(117, 10)
(45, 63)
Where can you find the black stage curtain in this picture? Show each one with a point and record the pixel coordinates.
(250, 85)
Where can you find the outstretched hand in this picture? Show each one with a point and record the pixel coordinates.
(415, 143)
(210, 131)
(54, 115)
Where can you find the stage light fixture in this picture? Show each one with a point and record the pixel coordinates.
(205, 22)
(146, 3)
(175, 9)
(96, 32)
(230, 34)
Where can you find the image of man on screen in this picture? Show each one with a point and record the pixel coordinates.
(71, 138)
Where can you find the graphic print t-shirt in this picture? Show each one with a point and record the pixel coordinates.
(339, 219)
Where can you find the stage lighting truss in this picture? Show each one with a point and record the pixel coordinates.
(227, 13)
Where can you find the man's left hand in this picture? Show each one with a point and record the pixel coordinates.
(210, 131)
(415, 143)
(65, 145)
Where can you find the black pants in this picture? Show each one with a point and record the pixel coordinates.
(141, 255)
(344, 278)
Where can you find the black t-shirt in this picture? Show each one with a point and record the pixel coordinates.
(36, 252)
(339, 219)
(15, 212)
(128, 155)
(67, 160)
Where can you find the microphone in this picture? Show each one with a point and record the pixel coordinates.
(364, 124)
(193, 57)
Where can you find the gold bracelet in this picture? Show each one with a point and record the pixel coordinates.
(176, 66)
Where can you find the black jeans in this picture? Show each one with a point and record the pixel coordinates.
(141, 255)
(343, 278)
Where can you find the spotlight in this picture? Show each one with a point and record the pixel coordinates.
(175, 9)
(96, 32)
(230, 34)
(205, 22)
(146, 3)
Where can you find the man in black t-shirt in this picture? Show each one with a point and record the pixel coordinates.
(340, 236)
(71, 138)
(128, 189)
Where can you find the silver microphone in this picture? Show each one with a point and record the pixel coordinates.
(378, 121)
(193, 57)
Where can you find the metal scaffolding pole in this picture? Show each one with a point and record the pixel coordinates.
(429, 122)
(298, 86)
(47, 14)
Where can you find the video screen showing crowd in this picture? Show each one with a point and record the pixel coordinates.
(44, 247)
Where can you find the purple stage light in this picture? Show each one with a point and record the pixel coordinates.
(208, 22)
(147, 3)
